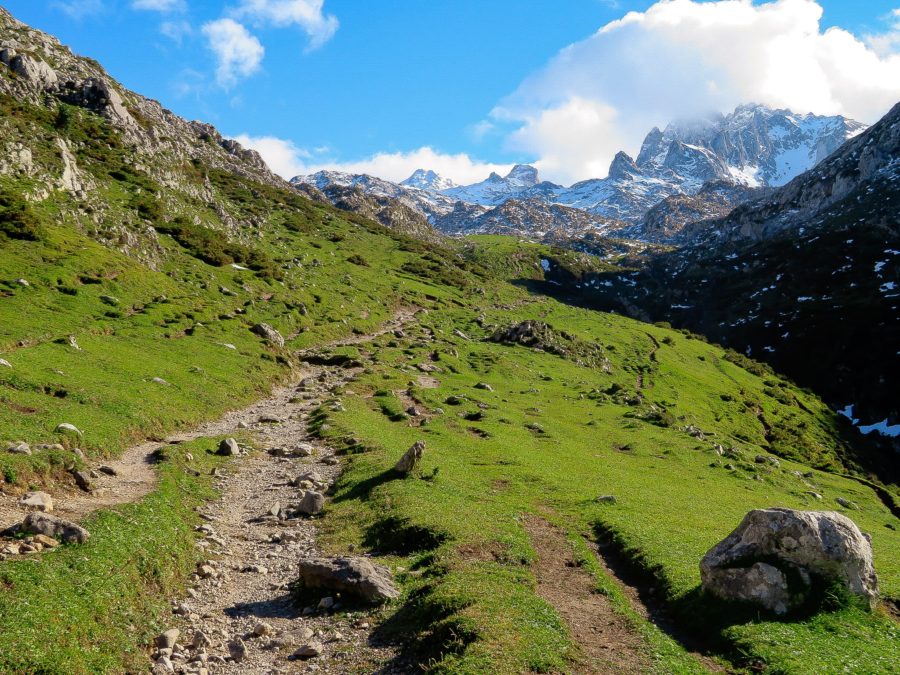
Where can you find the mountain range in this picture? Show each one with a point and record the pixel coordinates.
(704, 167)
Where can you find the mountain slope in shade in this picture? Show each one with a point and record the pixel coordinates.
(806, 278)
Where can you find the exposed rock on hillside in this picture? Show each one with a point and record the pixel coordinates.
(776, 557)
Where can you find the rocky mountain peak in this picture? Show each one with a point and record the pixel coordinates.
(622, 166)
(428, 180)
(524, 175)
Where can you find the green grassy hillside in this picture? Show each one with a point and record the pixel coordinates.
(135, 320)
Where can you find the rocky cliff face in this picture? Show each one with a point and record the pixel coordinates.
(39, 70)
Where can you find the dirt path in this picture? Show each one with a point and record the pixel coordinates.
(607, 642)
(252, 554)
(134, 474)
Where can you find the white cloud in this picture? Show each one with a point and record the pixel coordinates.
(176, 30)
(78, 9)
(237, 51)
(307, 14)
(889, 41)
(288, 160)
(159, 5)
(683, 58)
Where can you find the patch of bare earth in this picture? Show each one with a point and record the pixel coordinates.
(606, 641)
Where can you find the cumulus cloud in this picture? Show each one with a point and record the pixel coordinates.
(237, 51)
(159, 5)
(683, 58)
(288, 160)
(307, 14)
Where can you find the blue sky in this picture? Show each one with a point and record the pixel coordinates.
(467, 85)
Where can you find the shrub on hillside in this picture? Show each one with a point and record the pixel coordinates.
(17, 219)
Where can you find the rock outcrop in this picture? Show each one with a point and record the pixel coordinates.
(777, 558)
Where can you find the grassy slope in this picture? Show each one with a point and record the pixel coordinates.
(675, 498)
(474, 612)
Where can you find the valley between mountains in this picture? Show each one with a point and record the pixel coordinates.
(257, 426)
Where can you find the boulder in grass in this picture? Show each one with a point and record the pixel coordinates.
(411, 458)
(65, 427)
(228, 447)
(57, 528)
(268, 333)
(352, 576)
(776, 558)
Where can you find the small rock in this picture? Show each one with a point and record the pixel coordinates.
(269, 419)
(39, 501)
(354, 576)
(200, 640)
(485, 386)
(275, 509)
(108, 470)
(308, 651)
(312, 503)
(83, 480)
(268, 333)
(45, 541)
(228, 447)
(159, 380)
(167, 639)
(4, 362)
(56, 528)
(606, 499)
(19, 449)
(237, 650)
(846, 503)
(325, 603)
(410, 458)
(162, 666)
(65, 427)
(262, 628)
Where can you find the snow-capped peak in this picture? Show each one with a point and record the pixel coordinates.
(428, 180)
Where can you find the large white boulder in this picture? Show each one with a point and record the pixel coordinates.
(775, 557)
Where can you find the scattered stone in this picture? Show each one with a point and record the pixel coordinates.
(83, 480)
(846, 503)
(167, 639)
(73, 343)
(39, 501)
(200, 640)
(268, 333)
(57, 528)
(65, 427)
(45, 541)
(237, 650)
(108, 470)
(275, 509)
(262, 628)
(410, 458)
(312, 503)
(606, 499)
(353, 576)
(228, 447)
(773, 555)
(159, 380)
(308, 651)
(767, 459)
(19, 449)
(485, 386)
(325, 603)
(269, 419)
(4, 362)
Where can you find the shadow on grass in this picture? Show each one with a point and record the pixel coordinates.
(363, 489)
(426, 629)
